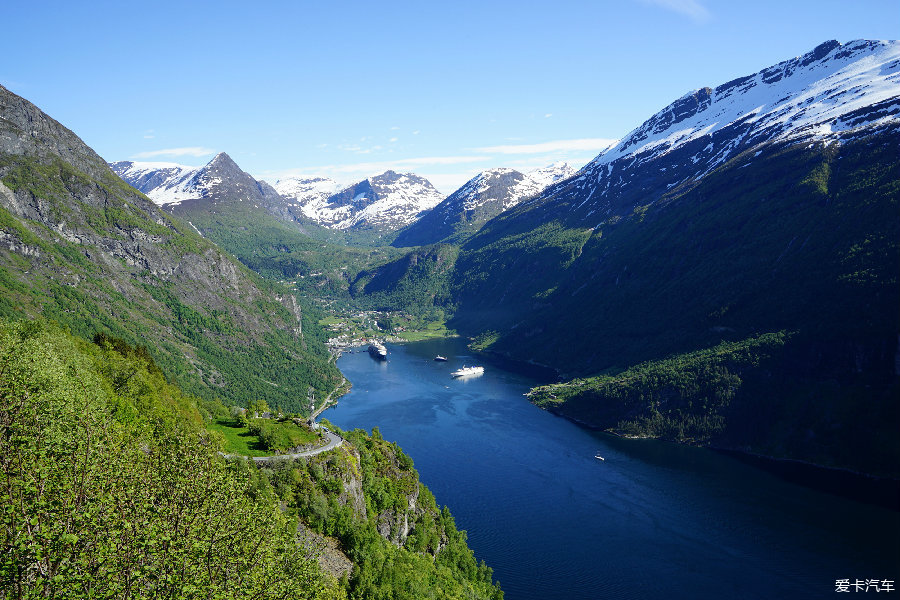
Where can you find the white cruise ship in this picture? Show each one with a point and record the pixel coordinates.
(378, 350)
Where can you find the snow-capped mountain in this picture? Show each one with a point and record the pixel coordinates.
(187, 190)
(829, 94)
(536, 180)
(164, 183)
(735, 210)
(505, 187)
(170, 185)
(481, 198)
(388, 201)
(308, 194)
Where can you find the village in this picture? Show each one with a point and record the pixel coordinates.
(359, 328)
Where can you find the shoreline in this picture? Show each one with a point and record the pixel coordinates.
(839, 481)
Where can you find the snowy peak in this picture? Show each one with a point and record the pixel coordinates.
(537, 180)
(812, 96)
(309, 195)
(388, 201)
(504, 187)
(481, 198)
(164, 183)
(220, 180)
(833, 93)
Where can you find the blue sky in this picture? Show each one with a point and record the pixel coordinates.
(350, 89)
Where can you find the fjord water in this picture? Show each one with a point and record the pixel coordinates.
(652, 520)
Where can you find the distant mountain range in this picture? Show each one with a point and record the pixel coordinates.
(185, 190)
(382, 204)
(385, 202)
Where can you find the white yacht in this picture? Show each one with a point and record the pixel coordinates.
(466, 371)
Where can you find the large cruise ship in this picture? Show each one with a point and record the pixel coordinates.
(466, 371)
(378, 351)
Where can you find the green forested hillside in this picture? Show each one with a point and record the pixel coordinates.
(749, 396)
(110, 488)
(281, 251)
(403, 545)
(417, 283)
(800, 239)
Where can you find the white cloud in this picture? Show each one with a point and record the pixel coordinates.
(393, 139)
(690, 8)
(548, 115)
(592, 144)
(197, 151)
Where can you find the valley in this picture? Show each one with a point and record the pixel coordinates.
(725, 276)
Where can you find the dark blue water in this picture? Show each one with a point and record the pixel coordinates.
(654, 520)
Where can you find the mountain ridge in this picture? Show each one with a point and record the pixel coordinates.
(481, 198)
(80, 246)
(795, 100)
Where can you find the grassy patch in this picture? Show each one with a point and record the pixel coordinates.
(281, 435)
(431, 331)
(238, 440)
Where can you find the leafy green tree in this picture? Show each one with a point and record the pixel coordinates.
(110, 488)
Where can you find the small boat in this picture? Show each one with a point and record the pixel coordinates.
(467, 371)
(440, 358)
(598, 457)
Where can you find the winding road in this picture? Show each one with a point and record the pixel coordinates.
(334, 440)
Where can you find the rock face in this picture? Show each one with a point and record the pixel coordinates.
(80, 246)
(480, 199)
(26, 131)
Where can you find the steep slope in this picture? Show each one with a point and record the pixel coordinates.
(834, 92)
(697, 229)
(481, 198)
(116, 486)
(629, 184)
(80, 246)
(417, 283)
